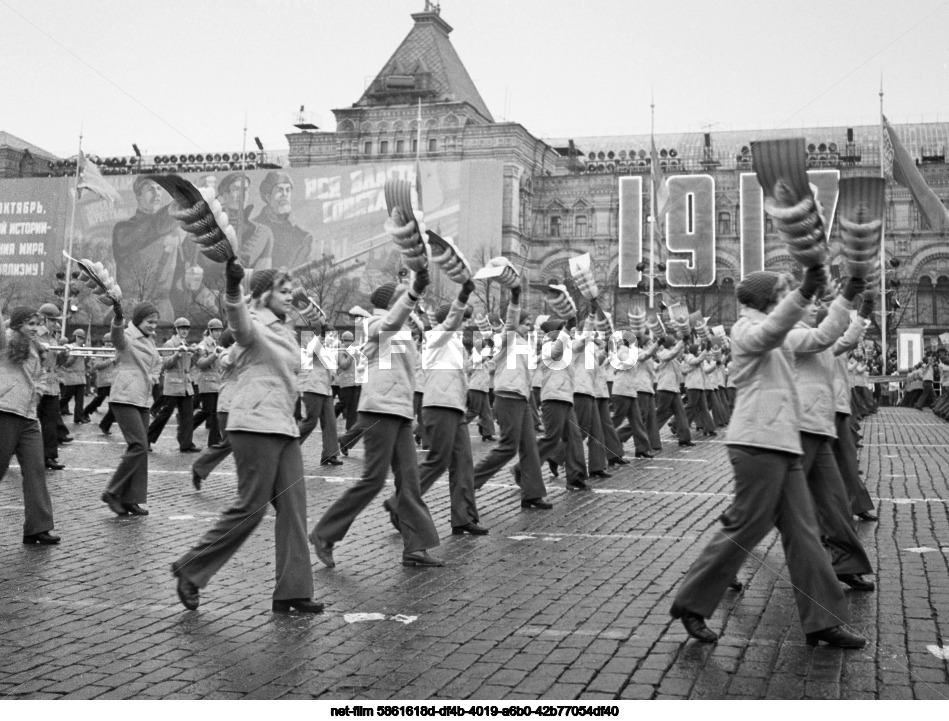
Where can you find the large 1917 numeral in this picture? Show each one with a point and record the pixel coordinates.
(630, 230)
(690, 228)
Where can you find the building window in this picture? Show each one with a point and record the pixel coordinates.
(367, 148)
(580, 226)
(941, 301)
(399, 147)
(925, 301)
(768, 225)
(414, 145)
(555, 226)
(432, 145)
(724, 223)
(383, 147)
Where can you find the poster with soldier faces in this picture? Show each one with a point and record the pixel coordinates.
(284, 218)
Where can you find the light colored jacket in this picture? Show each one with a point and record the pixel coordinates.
(208, 367)
(177, 370)
(19, 382)
(390, 390)
(814, 363)
(512, 371)
(266, 357)
(444, 363)
(73, 371)
(645, 378)
(692, 366)
(105, 372)
(135, 359)
(626, 373)
(600, 389)
(479, 379)
(667, 379)
(844, 344)
(229, 384)
(319, 378)
(767, 410)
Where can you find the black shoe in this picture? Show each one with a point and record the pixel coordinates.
(303, 605)
(601, 474)
(868, 516)
(472, 528)
(105, 431)
(324, 551)
(687, 444)
(150, 449)
(711, 434)
(189, 449)
(81, 421)
(333, 461)
(644, 454)
(117, 507)
(67, 439)
(196, 480)
(43, 538)
(344, 450)
(577, 485)
(135, 509)
(623, 461)
(487, 439)
(393, 516)
(836, 636)
(421, 558)
(694, 625)
(53, 465)
(856, 581)
(552, 465)
(859, 445)
(735, 584)
(188, 593)
(536, 503)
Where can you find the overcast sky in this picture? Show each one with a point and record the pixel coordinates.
(180, 75)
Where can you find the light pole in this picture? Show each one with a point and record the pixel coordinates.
(654, 279)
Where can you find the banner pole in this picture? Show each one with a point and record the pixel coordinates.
(69, 240)
(883, 309)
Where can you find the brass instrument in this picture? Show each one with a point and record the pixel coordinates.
(104, 352)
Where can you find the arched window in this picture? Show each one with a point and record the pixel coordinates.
(724, 223)
(367, 148)
(925, 301)
(580, 226)
(399, 147)
(383, 147)
(554, 226)
(432, 145)
(941, 300)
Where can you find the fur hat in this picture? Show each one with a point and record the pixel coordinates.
(382, 296)
(442, 313)
(757, 290)
(20, 315)
(262, 281)
(142, 310)
(50, 311)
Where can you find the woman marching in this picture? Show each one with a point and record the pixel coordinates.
(130, 398)
(266, 447)
(20, 435)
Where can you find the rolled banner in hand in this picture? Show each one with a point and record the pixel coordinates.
(783, 160)
(484, 325)
(560, 300)
(403, 195)
(201, 215)
(655, 326)
(582, 272)
(603, 323)
(637, 322)
(447, 256)
(501, 270)
(407, 239)
(98, 279)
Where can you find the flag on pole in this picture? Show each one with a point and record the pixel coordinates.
(91, 179)
(659, 182)
(899, 166)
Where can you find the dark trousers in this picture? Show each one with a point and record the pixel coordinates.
(626, 408)
(833, 506)
(562, 442)
(697, 410)
(320, 408)
(348, 404)
(669, 405)
(102, 392)
(845, 453)
(208, 413)
(718, 415)
(21, 437)
(614, 447)
(77, 394)
(269, 472)
(185, 406)
(47, 411)
(927, 396)
(591, 429)
(419, 429)
(647, 408)
(450, 450)
(388, 442)
(480, 407)
(516, 423)
(731, 393)
(770, 491)
(107, 420)
(130, 480)
(534, 403)
(723, 404)
(212, 456)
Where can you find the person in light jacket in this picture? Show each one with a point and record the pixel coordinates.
(73, 380)
(764, 446)
(265, 441)
(20, 370)
(213, 455)
(626, 398)
(105, 371)
(207, 369)
(177, 392)
(318, 397)
(136, 356)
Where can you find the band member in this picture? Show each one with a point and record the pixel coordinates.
(136, 356)
(47, 411)
(104, 369)
(479, 383)
(213, 455)
(73, 379)
(669, 403)
(625, 399)
(209, 379)
(318, 397)
(21, 369)
(266, 447)
(349, 386)
(176, 391)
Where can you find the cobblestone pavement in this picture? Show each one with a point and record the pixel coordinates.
(564, 604)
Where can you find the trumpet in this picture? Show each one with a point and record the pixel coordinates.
(103, 352)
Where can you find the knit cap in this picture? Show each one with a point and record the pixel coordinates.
(757, 289)
(20, 315)
(262, 281)
(142, 310)
(550, 326)
(442, 313)
(382, 296)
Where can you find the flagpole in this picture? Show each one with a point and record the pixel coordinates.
(652, 204)
(418, 157)
(882, 247)
(240, 205)
(69, 240)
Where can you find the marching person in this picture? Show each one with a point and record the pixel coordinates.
(479, 383)
(348, 404)
(625, 398)
(48, 409)
(136, 357)
(73, 379)
(266, 446)
(21, 368)
(585, 364)
(386, 417)
(318, 396)
(105, 371)
(176, 391)
(208, 369)
(645, 386)
(213, 455)
(770, 488)
(669, 402)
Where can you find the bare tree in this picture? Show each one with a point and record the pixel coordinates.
(335, 288)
